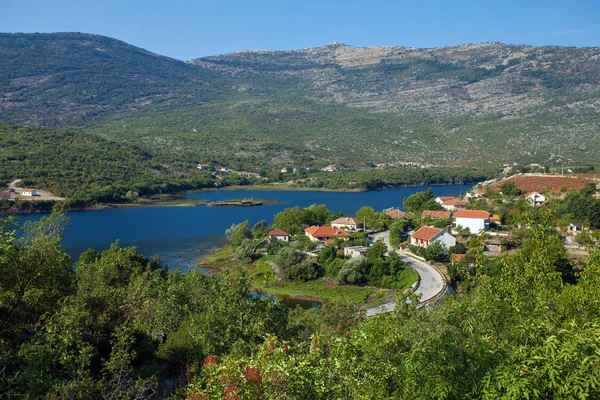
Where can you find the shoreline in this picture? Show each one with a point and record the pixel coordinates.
(178, 199)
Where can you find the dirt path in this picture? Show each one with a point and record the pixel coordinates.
(40, 193)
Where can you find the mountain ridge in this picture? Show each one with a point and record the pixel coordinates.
(469, 103)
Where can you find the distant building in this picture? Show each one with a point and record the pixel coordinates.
(436, 214)
(428, 235)
(28, 192)
(395, 214)
(347, 223)
(278, 234)
(203, 167)
(573, 229)
(331, 168)
(454, 204)
(474, 220)
(4, 195)
(536, 199)
(443, 199)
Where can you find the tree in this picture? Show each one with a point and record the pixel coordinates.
(260, 229)
(306, 270)
(354, 271)
(376, 251)
(326, 256)
(397, 229)
(35, 272)
(414, 203)
(367, 215)
(237, 233)
(510, 189)
(436, 251)
(244, 251)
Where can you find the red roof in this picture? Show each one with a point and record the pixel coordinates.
(495, 217)
(278, 232)
(396, 214)
(444, 199)
(454, 202)
(479, 214)
(436, 214)
(426, 233)
(346, 221)
(325, 232)
(4, 194)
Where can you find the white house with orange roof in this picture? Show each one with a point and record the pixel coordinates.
(474, 220)
(325, 233)
(454, 204)
(278, 234)
(428, 235)
(347, 223)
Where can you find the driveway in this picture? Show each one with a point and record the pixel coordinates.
(431, 281)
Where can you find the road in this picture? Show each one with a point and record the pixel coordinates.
(431, 282)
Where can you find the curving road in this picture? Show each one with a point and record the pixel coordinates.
(431, 282)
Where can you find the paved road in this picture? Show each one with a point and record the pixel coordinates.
(431, 281)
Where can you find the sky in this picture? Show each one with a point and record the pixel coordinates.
(190, 29)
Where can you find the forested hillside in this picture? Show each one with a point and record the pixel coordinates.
(468, 104)
(90, 169)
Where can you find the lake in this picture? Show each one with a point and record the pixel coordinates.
(180, 235)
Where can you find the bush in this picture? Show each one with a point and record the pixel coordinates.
(303, 272)
(243, 252)
(354, 271)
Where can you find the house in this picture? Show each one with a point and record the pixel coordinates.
(436, 214)
(278, 234)
(496, 218)
(347, 223)
(395, 214)
(536, 199)
(442, 199)
(573, 229)
(354, 251)
(28, 192)
(4, 195)
(474, 220)
(428, 235)
(325, 233)
(454, 205)
(331, 168)
(203, 167)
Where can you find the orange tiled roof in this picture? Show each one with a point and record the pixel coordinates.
(278, 232)
(495, 217)
(454, 202)
(436, 214)
(426, 233)
(322, 232)
(479, 214)
(445, 198)
(396, 214)
(347, 221)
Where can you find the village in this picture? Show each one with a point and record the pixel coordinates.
(312, 253)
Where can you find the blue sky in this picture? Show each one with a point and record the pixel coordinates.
(191, 29)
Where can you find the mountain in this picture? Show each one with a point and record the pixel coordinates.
(474, 79)
(460, 105)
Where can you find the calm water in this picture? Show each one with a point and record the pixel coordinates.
(180, 235)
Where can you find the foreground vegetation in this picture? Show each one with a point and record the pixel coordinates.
(121, 325)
